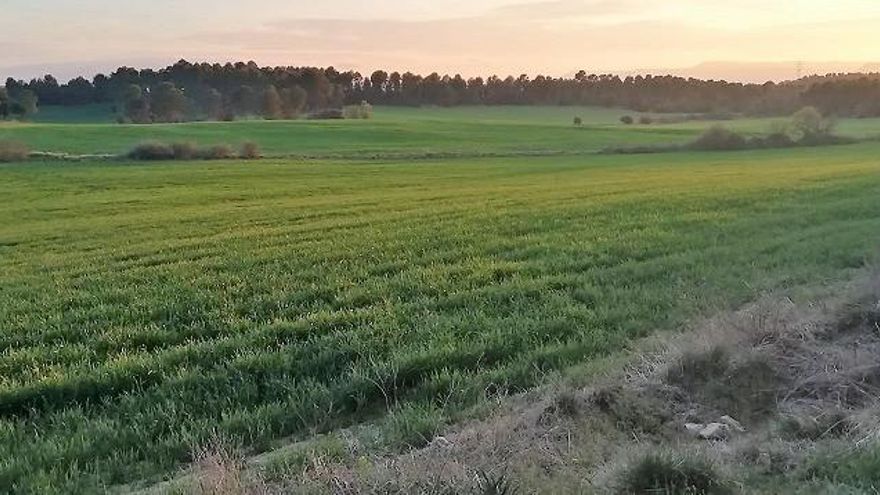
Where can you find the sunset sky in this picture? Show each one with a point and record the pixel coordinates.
(471, 37)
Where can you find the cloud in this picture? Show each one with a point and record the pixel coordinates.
(564, 9)
(509, 37)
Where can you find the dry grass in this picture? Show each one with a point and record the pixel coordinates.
(803, 378)
(13, 151)
(218, 470)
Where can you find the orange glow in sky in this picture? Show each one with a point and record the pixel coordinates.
(554, 37)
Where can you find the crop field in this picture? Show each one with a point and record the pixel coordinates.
(393, 132)
(146, 308)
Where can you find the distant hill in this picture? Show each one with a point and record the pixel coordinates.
(759, 72)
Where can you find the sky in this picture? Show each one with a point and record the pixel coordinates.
(471, 37)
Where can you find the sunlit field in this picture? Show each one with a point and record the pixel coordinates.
(149, 307)
(395, 132)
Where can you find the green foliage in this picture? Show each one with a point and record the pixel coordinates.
(718, 138)
(670, 474)
(4, 103)
(412, 426)
(809, 123)
(854, 467)
(158, 151)
(27, 100)
(149, 307)
(168, 103)
(273, 105)
(361, 111)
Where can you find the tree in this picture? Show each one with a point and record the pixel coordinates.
(272, 104)
(27, 100)
(168, 103)
(293, 100)
(211, 103)
(78, 91)
(243, 101)
(578, 121)
(135, 106)
(4, 103)
(379, 83)
(809, 124)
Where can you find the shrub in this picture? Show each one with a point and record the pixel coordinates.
(327, 114)
(185, 151)
(217, 152)
(578, 121)
(627, 119)
(668, 474)
(693, 369)
(250, 151)
(775, 140)
(13, 151)
(152, 150)
(646, 120)
(361, 111)
(155, 151)
(719, 138)
(810, 124)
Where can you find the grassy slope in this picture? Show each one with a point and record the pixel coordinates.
(394, 130)
(148, 305)
(502, 130)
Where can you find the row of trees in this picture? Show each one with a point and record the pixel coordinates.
(21, 104)
(213, 91)
(166, 102)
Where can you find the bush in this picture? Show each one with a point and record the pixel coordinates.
(157, 151)
(811, 125)
(362, 111)
(250, 151)
(719, 138)
(774, 140)
(185, 151)
(13, 151)
(628, 120)
(328, 114)
(152, 150)
(578, 121)
(217, 152)
(646, 120)
(668, 474)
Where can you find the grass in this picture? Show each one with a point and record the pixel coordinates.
(394, 131)
(669, 475)
(355, 138)
(149, 307)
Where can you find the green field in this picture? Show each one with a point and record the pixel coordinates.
(149, 307)
(394, 131)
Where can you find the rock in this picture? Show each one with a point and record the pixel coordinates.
(732, 423)
(694, 428)
(715, 431)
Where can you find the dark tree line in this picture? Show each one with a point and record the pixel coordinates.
(18, 104)
(186, 91)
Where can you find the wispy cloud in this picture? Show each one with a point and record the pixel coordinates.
(471, 37)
